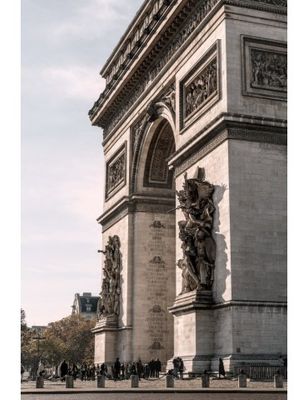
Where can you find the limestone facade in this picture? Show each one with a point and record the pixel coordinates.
(197, 84)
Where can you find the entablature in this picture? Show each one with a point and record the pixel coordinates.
(129, 77)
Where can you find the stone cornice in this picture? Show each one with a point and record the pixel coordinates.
(225, 127)
(132, 204)
(168, 42)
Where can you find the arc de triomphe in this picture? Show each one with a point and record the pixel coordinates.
(194, 222)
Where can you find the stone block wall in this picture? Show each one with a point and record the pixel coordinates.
(153, 285)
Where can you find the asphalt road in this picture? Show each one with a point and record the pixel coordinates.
(157, 396)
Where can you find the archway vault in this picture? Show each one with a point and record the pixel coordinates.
(153, 140)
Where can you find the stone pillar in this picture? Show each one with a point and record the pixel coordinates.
(242, 380)
(205, 379)
(134, 379)
(69, 382)
(106, 333)
(39, 382)
(100, 381)
(169, 381)
(193, 320)
(278, 380)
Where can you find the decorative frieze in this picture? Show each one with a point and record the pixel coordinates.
(264, 68)
(116, 172)
(200, 88)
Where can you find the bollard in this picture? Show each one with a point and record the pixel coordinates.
(242, 380)
(278, 380)
(134, 380)
(205, 379)
(69, 381)
(100, 381)
(39, 382)
(169, 381)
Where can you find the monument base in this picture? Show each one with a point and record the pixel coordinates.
(106, 333)
(193, 330)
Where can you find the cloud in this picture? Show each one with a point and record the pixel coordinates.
(89, 17)
(77, 82)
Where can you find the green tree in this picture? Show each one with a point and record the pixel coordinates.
(70, 339)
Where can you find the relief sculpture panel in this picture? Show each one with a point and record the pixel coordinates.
(116, 172)
(199, 90)
(264, 69)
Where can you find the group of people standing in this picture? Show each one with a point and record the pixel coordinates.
(84, 372)
(116, 371)
(143, 370)
(178, 368)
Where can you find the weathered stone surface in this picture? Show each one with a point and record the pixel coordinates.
(235, 130)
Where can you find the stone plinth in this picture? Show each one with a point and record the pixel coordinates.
(193, 330)
(242, 380)
(39, 382)
(205, 379)
(69, 382)
(278, 381)
(134, 381)
(169, 381)
(100, 381)
(106, 333)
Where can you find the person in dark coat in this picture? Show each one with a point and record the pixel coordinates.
(139, 368)
(157, 367)
(117, 369)
(221, 369)
(175, 363)
(63, 370)
(181, 367)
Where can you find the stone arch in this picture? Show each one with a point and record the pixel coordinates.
(162, 145)
(158, 114)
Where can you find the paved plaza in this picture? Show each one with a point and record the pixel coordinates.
(155, 389)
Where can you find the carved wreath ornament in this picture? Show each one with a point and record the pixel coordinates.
(195, 232)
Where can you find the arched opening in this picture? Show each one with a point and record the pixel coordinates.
(154, 244)
(157, 173)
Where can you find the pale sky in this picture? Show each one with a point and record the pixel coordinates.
(64, 45)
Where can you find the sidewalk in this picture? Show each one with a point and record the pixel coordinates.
(152, 385)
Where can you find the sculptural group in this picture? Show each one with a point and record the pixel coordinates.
(195, 232)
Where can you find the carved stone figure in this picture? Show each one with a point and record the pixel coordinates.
(195, 232)
(109, 303)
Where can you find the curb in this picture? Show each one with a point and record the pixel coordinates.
(140, 390)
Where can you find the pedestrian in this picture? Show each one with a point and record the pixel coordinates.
(181, 367)
(152, 368)
(102, 369)
(117, 369)
(146, 373)
(122, 371)
(22, 372)
(158, 367)
(175, 363)
(63, 370)
(221, 369)
(139, 368)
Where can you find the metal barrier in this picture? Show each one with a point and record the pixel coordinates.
(261, 372)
